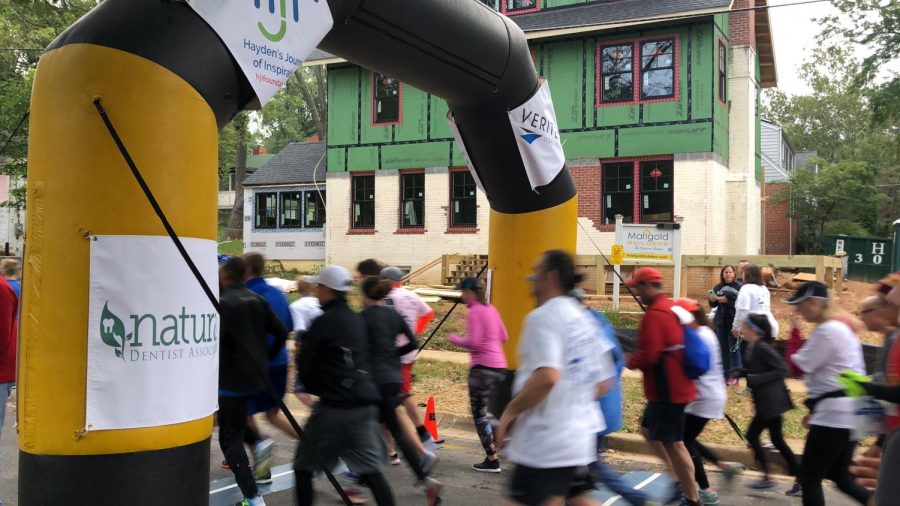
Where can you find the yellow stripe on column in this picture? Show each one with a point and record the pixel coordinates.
(516, 242)
(79, 184)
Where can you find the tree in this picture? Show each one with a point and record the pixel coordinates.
(296, 112)
(840, 198)
(236, 221)
(874, 24)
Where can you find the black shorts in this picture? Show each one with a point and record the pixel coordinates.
(532, 486)
(664, 422)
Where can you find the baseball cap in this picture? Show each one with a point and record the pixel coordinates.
(690, 305)
(810, 289)
(334, 277)
(392, 273)
(644, 275)
(469, 284)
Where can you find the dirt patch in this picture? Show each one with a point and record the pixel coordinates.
(446, 381)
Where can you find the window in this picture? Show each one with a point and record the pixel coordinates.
(653, 63)
(463, 202)
(616, 73)
(658, 69)
(412, 200)
(315, 209)
(656, 191)
(490, 3)
(723, 73)
(266, 210)
(520, 6)
(618, 191)
(364, 202)
(290, 209)
(385, 100)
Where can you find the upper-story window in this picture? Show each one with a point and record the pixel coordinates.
(463, 201)
(363, 205)
(386, 97)
(723, 73)
(637, 71)
(493, 4)
(266, 212)
(412, 200)
(520, 6)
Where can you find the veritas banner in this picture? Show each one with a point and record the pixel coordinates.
(537, 136)
(462, 148)
(268, 39)
(153, 335)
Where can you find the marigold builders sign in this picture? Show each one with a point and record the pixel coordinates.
(647, 244)
(153, 335)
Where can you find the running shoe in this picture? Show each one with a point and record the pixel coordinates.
(795, 491)
(677, 494)
(429, 460)
(394, 458)
(732, 469)
(429, 443)
(225, 464)
(488, 466)
(432, 491)
(262, 460)
(708, 498)
(763, 484)
(253, 501)
(262, 478)
(356, 495)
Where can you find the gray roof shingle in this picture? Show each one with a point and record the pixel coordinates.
(596, 14)
(297, 163)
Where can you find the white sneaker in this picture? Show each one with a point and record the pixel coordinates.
(253, 501)
(262, 460)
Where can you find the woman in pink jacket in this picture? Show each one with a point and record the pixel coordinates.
(487, 364)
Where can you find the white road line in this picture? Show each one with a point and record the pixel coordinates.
(233, 485)
(612, 500)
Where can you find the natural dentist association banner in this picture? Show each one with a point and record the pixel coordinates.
(153, 335)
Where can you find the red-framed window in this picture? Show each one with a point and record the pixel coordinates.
(387, 100)
(463, 212)
(412, 199)
(512, 7)
(640, 189)
(723, 71)
(362, 202)
(644, 70)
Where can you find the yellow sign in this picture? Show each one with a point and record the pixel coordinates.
(618, 254)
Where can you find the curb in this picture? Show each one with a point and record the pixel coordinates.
(635, 444)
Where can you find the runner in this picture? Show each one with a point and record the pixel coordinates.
(303, 311)
(709, 405)
(487, 364)
(247, 317)
(368, 268)
(382, 327)
(765, 373)
(831, 349)
(262, 446)
(563, 369)
(11, 271)
(9, 311)
(667, 387)
(611, 409)
(333, 364)
(417, 315)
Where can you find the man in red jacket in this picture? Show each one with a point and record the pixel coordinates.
(660, 356)
(9, 308)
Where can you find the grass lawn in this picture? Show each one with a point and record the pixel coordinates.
(231, 248)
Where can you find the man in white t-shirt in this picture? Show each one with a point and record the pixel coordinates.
(303, 311)
(563, 368)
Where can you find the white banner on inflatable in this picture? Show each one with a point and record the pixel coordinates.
(153, 335)
(537, 136)
(269, 39)
(462, 148)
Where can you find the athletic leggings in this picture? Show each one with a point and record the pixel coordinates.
(379, 486)
(390, 399)
(693, 426)
(827, 455)
(482, 383)
(773, 425)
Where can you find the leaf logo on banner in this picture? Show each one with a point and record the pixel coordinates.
(112, 331)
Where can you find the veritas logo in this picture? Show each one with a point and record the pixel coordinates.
(537, 126)
(282, 27)
(160, 337)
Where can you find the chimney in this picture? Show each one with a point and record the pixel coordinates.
(259, 150)
(742, 25)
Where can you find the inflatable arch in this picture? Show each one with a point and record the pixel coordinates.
(168, 83)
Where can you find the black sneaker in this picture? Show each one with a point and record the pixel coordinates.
(488, 466)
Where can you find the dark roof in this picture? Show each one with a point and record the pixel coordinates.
(297, 163)
(597, 14)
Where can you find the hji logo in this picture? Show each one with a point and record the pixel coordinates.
(282, 27)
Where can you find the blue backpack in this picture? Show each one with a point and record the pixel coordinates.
(697, 359)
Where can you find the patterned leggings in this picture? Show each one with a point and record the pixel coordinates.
(482, 383)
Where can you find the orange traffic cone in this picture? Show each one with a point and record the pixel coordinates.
(431, 419)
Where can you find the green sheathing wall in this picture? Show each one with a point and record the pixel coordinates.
(696, 122)
(720, 109)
